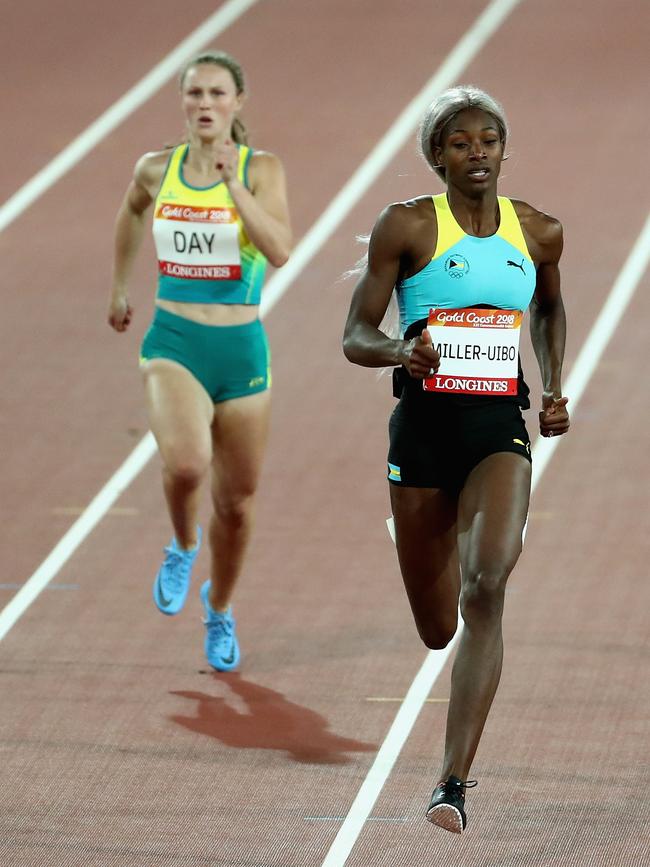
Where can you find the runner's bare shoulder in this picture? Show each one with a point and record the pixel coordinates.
(543, 232)
(411, 225)
(149, 170)
(406, 217)
(418, 208)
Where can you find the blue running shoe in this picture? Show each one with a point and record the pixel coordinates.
(221, 647)
(173, 579)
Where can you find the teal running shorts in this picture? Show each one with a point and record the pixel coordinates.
(229, 361)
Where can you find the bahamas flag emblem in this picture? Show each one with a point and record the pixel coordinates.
(457, 266)
(394, 473)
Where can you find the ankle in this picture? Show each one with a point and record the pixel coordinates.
(216, 603)
(458, 773)
(189, 544)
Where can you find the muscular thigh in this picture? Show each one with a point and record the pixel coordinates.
(492, 511)
(426, 539)
(240, 432)
(179, 409)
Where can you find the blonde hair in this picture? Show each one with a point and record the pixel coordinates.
(445, 108)
(238, 131)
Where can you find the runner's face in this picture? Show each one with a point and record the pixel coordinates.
(210, 101)
(471, 152)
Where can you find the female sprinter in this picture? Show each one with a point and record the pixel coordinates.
(465, 265)
(220, 212)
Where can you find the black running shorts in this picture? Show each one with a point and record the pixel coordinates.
(436, 442)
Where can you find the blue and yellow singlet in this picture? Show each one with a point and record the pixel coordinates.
(466, 271)
(204, 254)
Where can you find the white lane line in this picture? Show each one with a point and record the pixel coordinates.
(454, 64)
(588, 359)
(593, 348)
(120, 110)
(387, 756)
(62, 552)
(308, 247)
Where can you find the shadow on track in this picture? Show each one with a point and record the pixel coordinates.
(267, 721)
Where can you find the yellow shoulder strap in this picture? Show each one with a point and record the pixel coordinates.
(242, 167)
(510, 227)
(449, 232)
(170, 175)
(173, 166)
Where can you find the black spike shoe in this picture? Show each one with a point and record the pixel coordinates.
(447, 804)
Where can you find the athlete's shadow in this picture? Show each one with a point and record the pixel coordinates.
(267, 721)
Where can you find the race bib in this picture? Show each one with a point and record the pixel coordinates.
(197, 243)
(479, 350)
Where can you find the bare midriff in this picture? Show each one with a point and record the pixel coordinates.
(212, 314)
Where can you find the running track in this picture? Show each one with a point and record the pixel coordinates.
(117, 746)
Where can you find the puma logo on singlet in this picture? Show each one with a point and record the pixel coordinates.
(514, 265)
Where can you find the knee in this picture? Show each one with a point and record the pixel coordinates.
(234, 509)
(482, 594)
(437, 636)
(186, 466)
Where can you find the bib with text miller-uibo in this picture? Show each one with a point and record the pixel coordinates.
(478, 348)
(197, 243)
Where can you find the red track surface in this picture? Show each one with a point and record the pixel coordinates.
(118, 748)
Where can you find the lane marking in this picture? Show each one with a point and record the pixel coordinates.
(76, 534)
(426, 701)
(120, 110)
(601, 332)
(543, 449)
(341, 818)
(15, 586)
(451, 68)
(331, 218)
(120, 511)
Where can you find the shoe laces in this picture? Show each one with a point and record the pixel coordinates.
(177, 565)
(457, 786)
(219, 627)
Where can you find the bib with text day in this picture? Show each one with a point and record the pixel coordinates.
(197, 243)
(479, 350)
